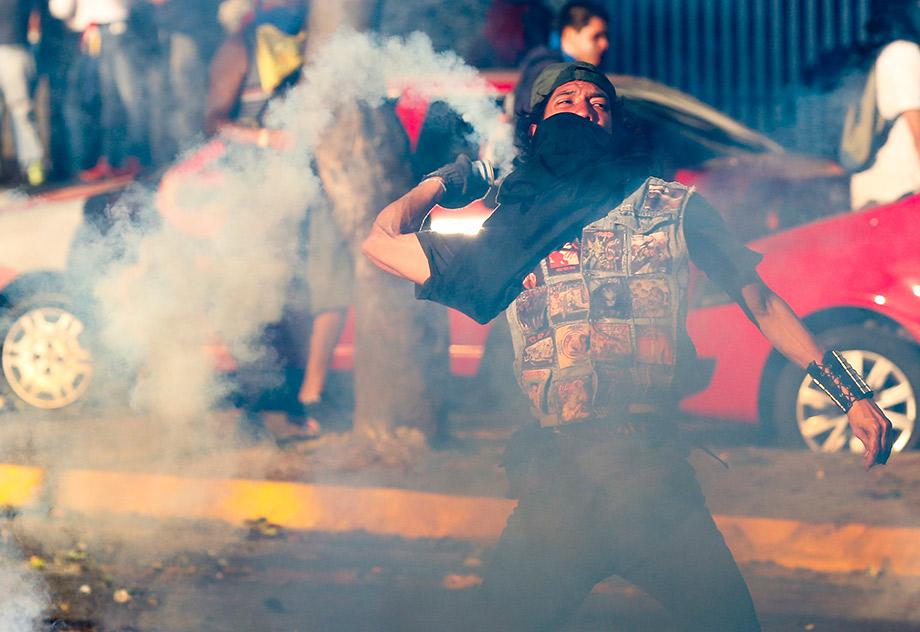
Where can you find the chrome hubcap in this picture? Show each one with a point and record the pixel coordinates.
(43, 360)
(825, 429)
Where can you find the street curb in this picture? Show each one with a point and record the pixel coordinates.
(819, 547)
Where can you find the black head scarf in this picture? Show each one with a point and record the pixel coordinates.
(574, 174)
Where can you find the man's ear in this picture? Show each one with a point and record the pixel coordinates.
(566, 33)
(532, 129)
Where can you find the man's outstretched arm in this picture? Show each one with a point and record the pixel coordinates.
(392, 244)
(790, 337)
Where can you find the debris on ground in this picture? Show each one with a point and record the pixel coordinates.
(8, 512)
(76, 555)
(262, 528)
(455, 581)
(473, 561)
(273, 604)
(402, 448)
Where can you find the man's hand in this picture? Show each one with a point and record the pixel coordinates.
(464, 181)
(786, 332)
(870, 426)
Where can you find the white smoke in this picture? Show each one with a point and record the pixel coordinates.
(185, 292)
(23, 597)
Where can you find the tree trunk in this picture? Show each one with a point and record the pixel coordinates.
(400, 343)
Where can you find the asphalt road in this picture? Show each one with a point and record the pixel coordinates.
(112, 572)
(186, 576)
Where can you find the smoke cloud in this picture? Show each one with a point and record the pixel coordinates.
(221, 272)
(23, 598)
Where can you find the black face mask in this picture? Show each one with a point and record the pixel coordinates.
(565, 143)
(570, 152)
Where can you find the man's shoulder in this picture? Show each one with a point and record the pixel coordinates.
(899, 52)
(539, 58)
(539, 53)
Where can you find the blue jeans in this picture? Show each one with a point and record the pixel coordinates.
(81, 111)
(17, 67)
(188, 83)
(178, 83)
(124, 112)
(106, 110)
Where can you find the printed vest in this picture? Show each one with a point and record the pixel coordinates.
(595, 330)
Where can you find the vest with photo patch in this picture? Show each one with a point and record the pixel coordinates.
(595, 330)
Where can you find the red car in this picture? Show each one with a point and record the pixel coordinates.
(747, 176)
(854, 278)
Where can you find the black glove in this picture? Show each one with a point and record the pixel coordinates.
(464, 181)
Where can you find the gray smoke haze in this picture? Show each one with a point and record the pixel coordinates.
(184, 292)
(23, 597)
(166, 294)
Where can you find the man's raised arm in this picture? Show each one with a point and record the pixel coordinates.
(392, 244)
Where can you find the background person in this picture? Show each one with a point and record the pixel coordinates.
(581, 35)
(17, 69)
(107, 46)
(187, 33)
(57, 53)
(239, 90)
(320, 294)
(894, 168)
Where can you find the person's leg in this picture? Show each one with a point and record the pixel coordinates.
(328, 276)
(188, 76)
(82, 93)
(324, 335)
(17, 69)
(113, 132)
(160, 108)
(545, 562)
(677, 555)
(694, 576)
(56, 65)
(129, 91)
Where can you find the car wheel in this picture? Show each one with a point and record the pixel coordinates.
(804, 415)
(45, 357)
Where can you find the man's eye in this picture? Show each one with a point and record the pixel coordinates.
(601, 105)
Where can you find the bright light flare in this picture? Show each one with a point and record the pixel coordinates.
(879, 299)
(447, 225)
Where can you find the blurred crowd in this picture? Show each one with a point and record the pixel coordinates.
(125, 83)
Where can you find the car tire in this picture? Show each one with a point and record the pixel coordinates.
(46, 358)
(803, 416)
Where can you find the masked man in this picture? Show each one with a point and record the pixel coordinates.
(592, 257)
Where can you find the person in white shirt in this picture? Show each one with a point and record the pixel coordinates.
(895, 169)
(106, 39)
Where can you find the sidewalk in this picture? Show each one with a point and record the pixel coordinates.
(794, 509)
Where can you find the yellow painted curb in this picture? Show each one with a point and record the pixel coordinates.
(819, 547)
(332, 508)
(20, 485)
(823, 547)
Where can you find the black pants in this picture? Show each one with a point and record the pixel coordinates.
(592, 504)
